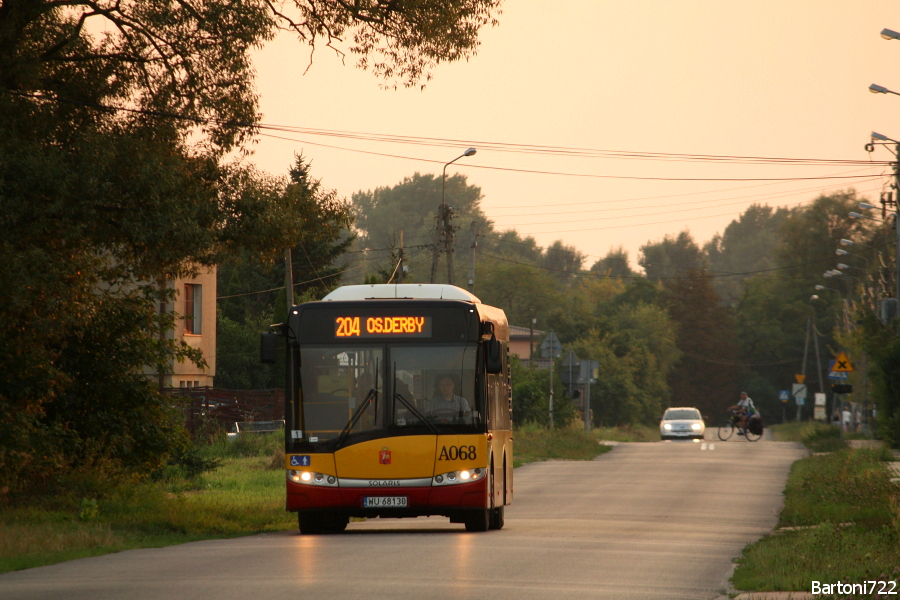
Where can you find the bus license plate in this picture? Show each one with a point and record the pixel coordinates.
(385, 502)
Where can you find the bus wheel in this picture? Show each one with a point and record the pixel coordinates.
(310, 523)
(479, 520)
(497, 518)
(317, 522)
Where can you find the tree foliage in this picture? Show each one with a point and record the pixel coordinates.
(671, 257)
(117, 120)
(252, 289)
(746, 247)
(707, 376)
(614, 264)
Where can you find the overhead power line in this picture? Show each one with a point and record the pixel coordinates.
(259, 128)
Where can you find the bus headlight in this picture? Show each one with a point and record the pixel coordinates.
(311, 478)
(462, 476)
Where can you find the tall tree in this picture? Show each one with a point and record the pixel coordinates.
(411, 206)
(747, 246)
(563, 260)
(252, 289)
(707, 376)
(117, 118)
(614, 264)
(671, 257)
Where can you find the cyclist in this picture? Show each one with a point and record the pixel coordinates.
(743, 410)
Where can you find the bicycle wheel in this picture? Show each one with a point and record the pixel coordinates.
(752, 437)
(726, 430)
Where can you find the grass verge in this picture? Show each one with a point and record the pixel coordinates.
(218, 490)
(840, 521)
(534, 443)
(817, 437)
(244, 495)
(629, 433)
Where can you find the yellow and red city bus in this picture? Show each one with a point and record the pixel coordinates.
(398, 404)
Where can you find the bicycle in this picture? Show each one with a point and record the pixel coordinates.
(731, 425)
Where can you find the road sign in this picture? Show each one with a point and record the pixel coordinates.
(550, 347)
(799, 390)
(820, 399)
(800, 401)
(800, 378)
(836, 375)
(589, 372)
(842, 364)
(783, 395)
(819, 413)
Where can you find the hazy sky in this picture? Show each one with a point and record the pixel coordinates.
(757, 79)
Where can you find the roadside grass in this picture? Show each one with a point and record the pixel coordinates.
(792, 431)
(840, 521)
(223, 488)
(816, 436)
(243, 495)
(628, 433)
(535, 443)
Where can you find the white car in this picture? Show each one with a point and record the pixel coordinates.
(681, 423)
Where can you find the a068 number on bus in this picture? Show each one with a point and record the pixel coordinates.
(458, 453)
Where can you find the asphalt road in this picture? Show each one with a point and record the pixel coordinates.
(652, 520)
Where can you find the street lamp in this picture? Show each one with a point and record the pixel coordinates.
(880, 89)
(843, 266)
(447, 230)
(856, 215)
(889, 34)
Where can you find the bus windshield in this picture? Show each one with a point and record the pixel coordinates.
(335, 382)
(434, 386)
(372, 390)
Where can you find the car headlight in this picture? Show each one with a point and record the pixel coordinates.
(696, 426)
(311, 478)
(454, 477)
(667, 426)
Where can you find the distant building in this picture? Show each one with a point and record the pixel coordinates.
(195, 304)
(522, 343)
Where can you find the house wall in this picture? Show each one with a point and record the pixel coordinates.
(187, 374)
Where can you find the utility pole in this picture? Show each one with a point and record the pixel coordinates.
(400, 267)
(448, 242)
(531, 344)
(443, 242)
(288, 280)
(472, 264)
(897, 224)
(443, 228)
(805, 354)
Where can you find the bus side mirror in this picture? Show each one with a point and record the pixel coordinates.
(493, 356)
(268, 348)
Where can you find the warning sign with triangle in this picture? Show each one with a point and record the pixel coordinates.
(842, 364)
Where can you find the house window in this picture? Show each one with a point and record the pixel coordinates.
(193, 301)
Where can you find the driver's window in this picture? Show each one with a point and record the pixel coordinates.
(436, 383)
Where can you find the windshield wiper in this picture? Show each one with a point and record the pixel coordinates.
(415, 411)
(373, 394)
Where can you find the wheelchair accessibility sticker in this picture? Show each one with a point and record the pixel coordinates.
(299, 461)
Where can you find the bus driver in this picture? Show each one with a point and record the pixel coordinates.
(445, 403)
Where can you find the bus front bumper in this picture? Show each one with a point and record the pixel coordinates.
(419, 501)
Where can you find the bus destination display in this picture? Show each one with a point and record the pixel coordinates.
(361, 327)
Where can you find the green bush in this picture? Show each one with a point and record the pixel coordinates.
(823, 438)
(245, 445)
